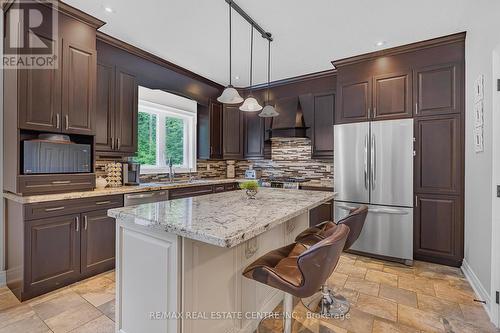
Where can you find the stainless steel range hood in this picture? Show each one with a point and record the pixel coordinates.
(290, 122)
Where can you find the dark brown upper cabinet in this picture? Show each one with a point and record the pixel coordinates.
(438, 160)
(105, 108)
(62, 99)
(353, 101)
(392, 96)
(97, 242)
(210, 131)
(232, 130)
(117, 110)
(322, 126)
(437, 89)
(254, 135)
(379, 97)
(126, 111)
(79, 89)
(40, 96)
(52, 253)
(438, 229)
(215, 115)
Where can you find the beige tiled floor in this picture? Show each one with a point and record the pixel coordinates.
(385, 297)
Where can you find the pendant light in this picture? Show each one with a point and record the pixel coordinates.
(230, 95)
(250, 104)
(269, 110)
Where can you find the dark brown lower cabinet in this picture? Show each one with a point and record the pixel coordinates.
(52, 254)
(54, 244)
(321, 213)
(97, 242)
(438, 229)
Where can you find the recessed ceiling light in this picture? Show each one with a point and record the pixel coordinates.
(380, 43)
(236, 77)
(109, 9)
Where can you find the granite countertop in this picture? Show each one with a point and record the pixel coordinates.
(113, 190)
(223, 219)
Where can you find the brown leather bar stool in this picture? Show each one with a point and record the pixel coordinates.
(325, 301)
(297, 270)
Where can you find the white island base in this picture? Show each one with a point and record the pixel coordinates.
(162, 275)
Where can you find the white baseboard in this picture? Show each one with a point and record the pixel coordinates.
(3, 279)
(477, 287)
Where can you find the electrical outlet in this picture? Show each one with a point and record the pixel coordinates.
(328, 168)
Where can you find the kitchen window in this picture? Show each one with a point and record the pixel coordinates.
(166, 132)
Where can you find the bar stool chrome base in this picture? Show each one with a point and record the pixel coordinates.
(325, 303)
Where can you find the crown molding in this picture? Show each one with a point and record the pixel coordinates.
(454, 38)
(153, 58)
(291, 80)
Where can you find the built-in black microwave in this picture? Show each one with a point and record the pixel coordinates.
(45, 157)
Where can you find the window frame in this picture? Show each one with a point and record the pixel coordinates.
(190, 122)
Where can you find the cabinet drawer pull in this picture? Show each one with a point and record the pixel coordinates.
(66, 117)
(118, 143)
(77, 219)
(61, 182)
(103, 202)
(58, 120)
(54, 209)
(112, 143)
(85, 222)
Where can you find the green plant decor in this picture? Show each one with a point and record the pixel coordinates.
(250, 187)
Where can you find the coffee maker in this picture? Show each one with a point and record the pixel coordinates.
(131, 172)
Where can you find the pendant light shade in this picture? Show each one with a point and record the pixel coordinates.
(251, 104)
(230, 95)
(269, 110)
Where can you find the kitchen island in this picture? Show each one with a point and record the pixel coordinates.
(179, 262)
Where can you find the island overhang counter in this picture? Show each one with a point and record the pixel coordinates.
(179, 262)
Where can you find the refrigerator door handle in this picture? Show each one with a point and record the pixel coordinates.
(366, 161)
(391, 211)
(373, 161)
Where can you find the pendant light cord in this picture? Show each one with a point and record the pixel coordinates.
(251, 54)
(230, 48)
(268, 68)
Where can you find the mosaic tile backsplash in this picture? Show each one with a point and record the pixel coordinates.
(291, 157)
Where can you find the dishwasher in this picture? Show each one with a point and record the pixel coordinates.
(143, 198)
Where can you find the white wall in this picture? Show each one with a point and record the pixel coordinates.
(495, 264)
(483, 35)
(2, 219)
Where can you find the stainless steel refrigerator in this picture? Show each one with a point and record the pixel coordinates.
(373, 165)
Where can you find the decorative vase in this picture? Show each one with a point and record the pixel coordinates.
(251, 194)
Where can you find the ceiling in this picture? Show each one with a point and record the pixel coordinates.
(308, 34)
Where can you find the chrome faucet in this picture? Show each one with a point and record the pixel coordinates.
(171, 172)
(191, 177)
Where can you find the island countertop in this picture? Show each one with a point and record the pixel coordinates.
(223, 219)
